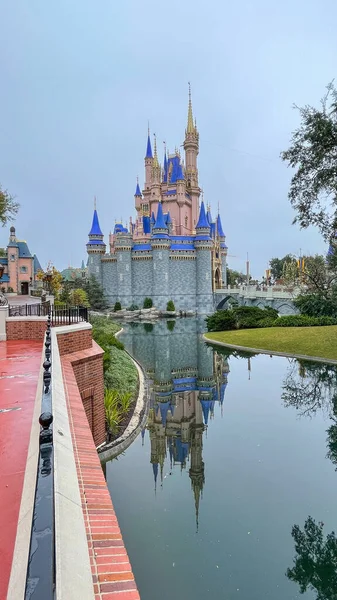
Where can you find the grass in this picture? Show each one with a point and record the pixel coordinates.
(309, 341)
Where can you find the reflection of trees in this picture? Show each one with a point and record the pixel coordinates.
(315, 563)
(309, 387)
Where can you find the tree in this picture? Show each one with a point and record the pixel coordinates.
(315, 561)
(235, 277)
(277, 265)
(79, 297)
(8, 207)
(94, 292)
(313, 153)
(52, 278)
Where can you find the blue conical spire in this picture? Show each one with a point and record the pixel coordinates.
(148, 147)
(168, 218)
(206, 405)
(209, 214)
(160, 221)
(95, 228)
(165, 168)
(138, 192)
(219, 226)
(203, 221)
(152, 220)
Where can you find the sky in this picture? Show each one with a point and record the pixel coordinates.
(80, 79)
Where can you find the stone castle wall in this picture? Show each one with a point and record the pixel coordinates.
(129, 277)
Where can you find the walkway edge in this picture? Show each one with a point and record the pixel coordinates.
(137, 421)
(330, 361)
(17, 580)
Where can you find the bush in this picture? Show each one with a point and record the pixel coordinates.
(316, 305)
(241, 317)
(221, 320)
(304, 321)
(133, 307)
(117, 306)
(170, 306)
(170, 325)
(10, 290)
(148, 303)
(148, 327)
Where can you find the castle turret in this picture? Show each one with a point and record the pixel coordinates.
(203, 245)
(223, 250)
(123, 247)
(96, 248)
(191, 146)
(148, 162)
(160, 243)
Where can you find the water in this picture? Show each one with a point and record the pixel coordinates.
(208, 511)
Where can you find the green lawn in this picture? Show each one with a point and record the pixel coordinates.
(311, 341)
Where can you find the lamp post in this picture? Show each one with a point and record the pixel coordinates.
(47, 279)
(3, 299)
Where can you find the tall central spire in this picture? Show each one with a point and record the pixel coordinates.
(190, 124)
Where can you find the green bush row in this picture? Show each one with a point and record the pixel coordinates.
(249, 317)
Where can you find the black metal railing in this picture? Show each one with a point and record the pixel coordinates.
(58, 316)
(40, 581)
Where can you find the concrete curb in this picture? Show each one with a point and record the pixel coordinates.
(137, 421)
(270, 352)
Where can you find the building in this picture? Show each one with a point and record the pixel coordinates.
(173, 249)
(20, 266)
(74, 273)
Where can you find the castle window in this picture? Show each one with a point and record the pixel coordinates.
(23, 269)
(12, 256)
(186, 221)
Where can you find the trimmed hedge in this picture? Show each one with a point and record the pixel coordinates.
(250, 317)
(147, 303)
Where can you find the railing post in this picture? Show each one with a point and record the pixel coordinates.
(41, 564)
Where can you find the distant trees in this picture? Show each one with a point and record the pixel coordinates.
(8, 207)
(277, 265)
(235, 277)
(52, 278)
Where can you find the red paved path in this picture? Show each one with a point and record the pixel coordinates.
(19, 368)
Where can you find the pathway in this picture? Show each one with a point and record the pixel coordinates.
(19, 368)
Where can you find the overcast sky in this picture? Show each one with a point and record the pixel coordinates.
(79, 80)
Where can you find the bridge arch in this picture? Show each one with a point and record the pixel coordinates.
(224, 301)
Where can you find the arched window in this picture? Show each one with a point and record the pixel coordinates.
(186, 221)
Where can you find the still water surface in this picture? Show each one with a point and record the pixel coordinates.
(236, 452)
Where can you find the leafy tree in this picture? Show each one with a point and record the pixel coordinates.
(313, 155)
(2, 252)
(79, 297)
(235, 277)
(8, 207)
(52, 278)
(94, 292)
(315, 561)
(277, 265)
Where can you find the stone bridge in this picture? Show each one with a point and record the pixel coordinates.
(274, 296)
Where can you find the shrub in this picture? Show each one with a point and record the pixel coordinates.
(148, 303)
(170, 325)
(133, 307)
(316, 305)
(10, 290)
(170, 306)
(59, 304)
(148, 327)
(304, 321)
(221, 320)
(79, 297)
(117, 306)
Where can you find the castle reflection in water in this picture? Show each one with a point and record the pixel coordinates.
(186, 379)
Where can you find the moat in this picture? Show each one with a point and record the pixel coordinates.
(237, 451)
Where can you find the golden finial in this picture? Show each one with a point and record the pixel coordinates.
(148, 128)
(94, 202)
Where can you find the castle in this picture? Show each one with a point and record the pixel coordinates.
(173, 250)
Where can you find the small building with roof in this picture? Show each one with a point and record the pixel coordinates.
(20, 266)
(173, 249)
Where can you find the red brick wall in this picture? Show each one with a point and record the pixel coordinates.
(74, 341)
(87, 365)
(26, 329)
(89, 378)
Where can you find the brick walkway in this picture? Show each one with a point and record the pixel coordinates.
(111, 570)
(19, 368)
